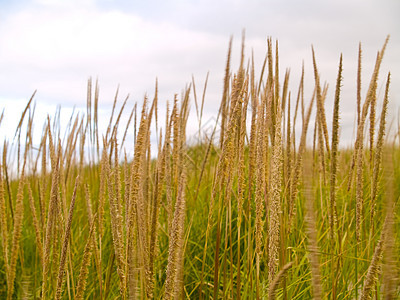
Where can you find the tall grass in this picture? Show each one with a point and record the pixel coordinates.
(246, 212)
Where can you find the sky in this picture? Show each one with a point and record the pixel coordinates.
(54, 46)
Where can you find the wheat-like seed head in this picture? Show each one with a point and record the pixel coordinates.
(84, 272)
(17, 230)
(298, 164)
(260, 181)
(102, 190)
(379, 151)
(390, 254)
(36, 225)
(176, 242)
(224, 102)
(4, 225)
(275, 198)
(52, 213)
(60, 277)
(373, 271)
(320, 107)
(277, 280)
(95, 243)
(334, 153)
(359, 84)
(311, 229)
(363, 114)
(136, 189)
(116, 226)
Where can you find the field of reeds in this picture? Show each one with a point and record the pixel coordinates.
(251, 211)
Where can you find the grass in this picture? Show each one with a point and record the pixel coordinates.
(246, 213)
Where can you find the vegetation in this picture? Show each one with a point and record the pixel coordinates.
(250, 212)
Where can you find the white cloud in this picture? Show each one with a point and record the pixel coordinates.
(56, 50)
(61, 4)
(55, 45)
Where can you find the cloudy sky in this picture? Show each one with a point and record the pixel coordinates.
(54, 46)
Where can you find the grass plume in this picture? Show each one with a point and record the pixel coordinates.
(247, 208)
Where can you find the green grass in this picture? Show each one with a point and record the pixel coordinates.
(212, 182)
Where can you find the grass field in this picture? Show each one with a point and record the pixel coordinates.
(249, 212)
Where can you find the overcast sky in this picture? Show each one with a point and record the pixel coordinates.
(54, 46)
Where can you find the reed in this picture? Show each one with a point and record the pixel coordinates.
(373, 271)
(378, 154)
(259, 195)
(4, 225)
(312, 234)
(36, 225)
(94, 241)
(359, 83)
(277, 280)
(116, 226)
(335, 144)
(246, 210)
(136, 209)
(60, 277)
(16, 235)
(299, 162)
(176, 243)
(241, 187)
(275, 201)
(320, 107)
(390, 255)
(51, 213)
(84, 272)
